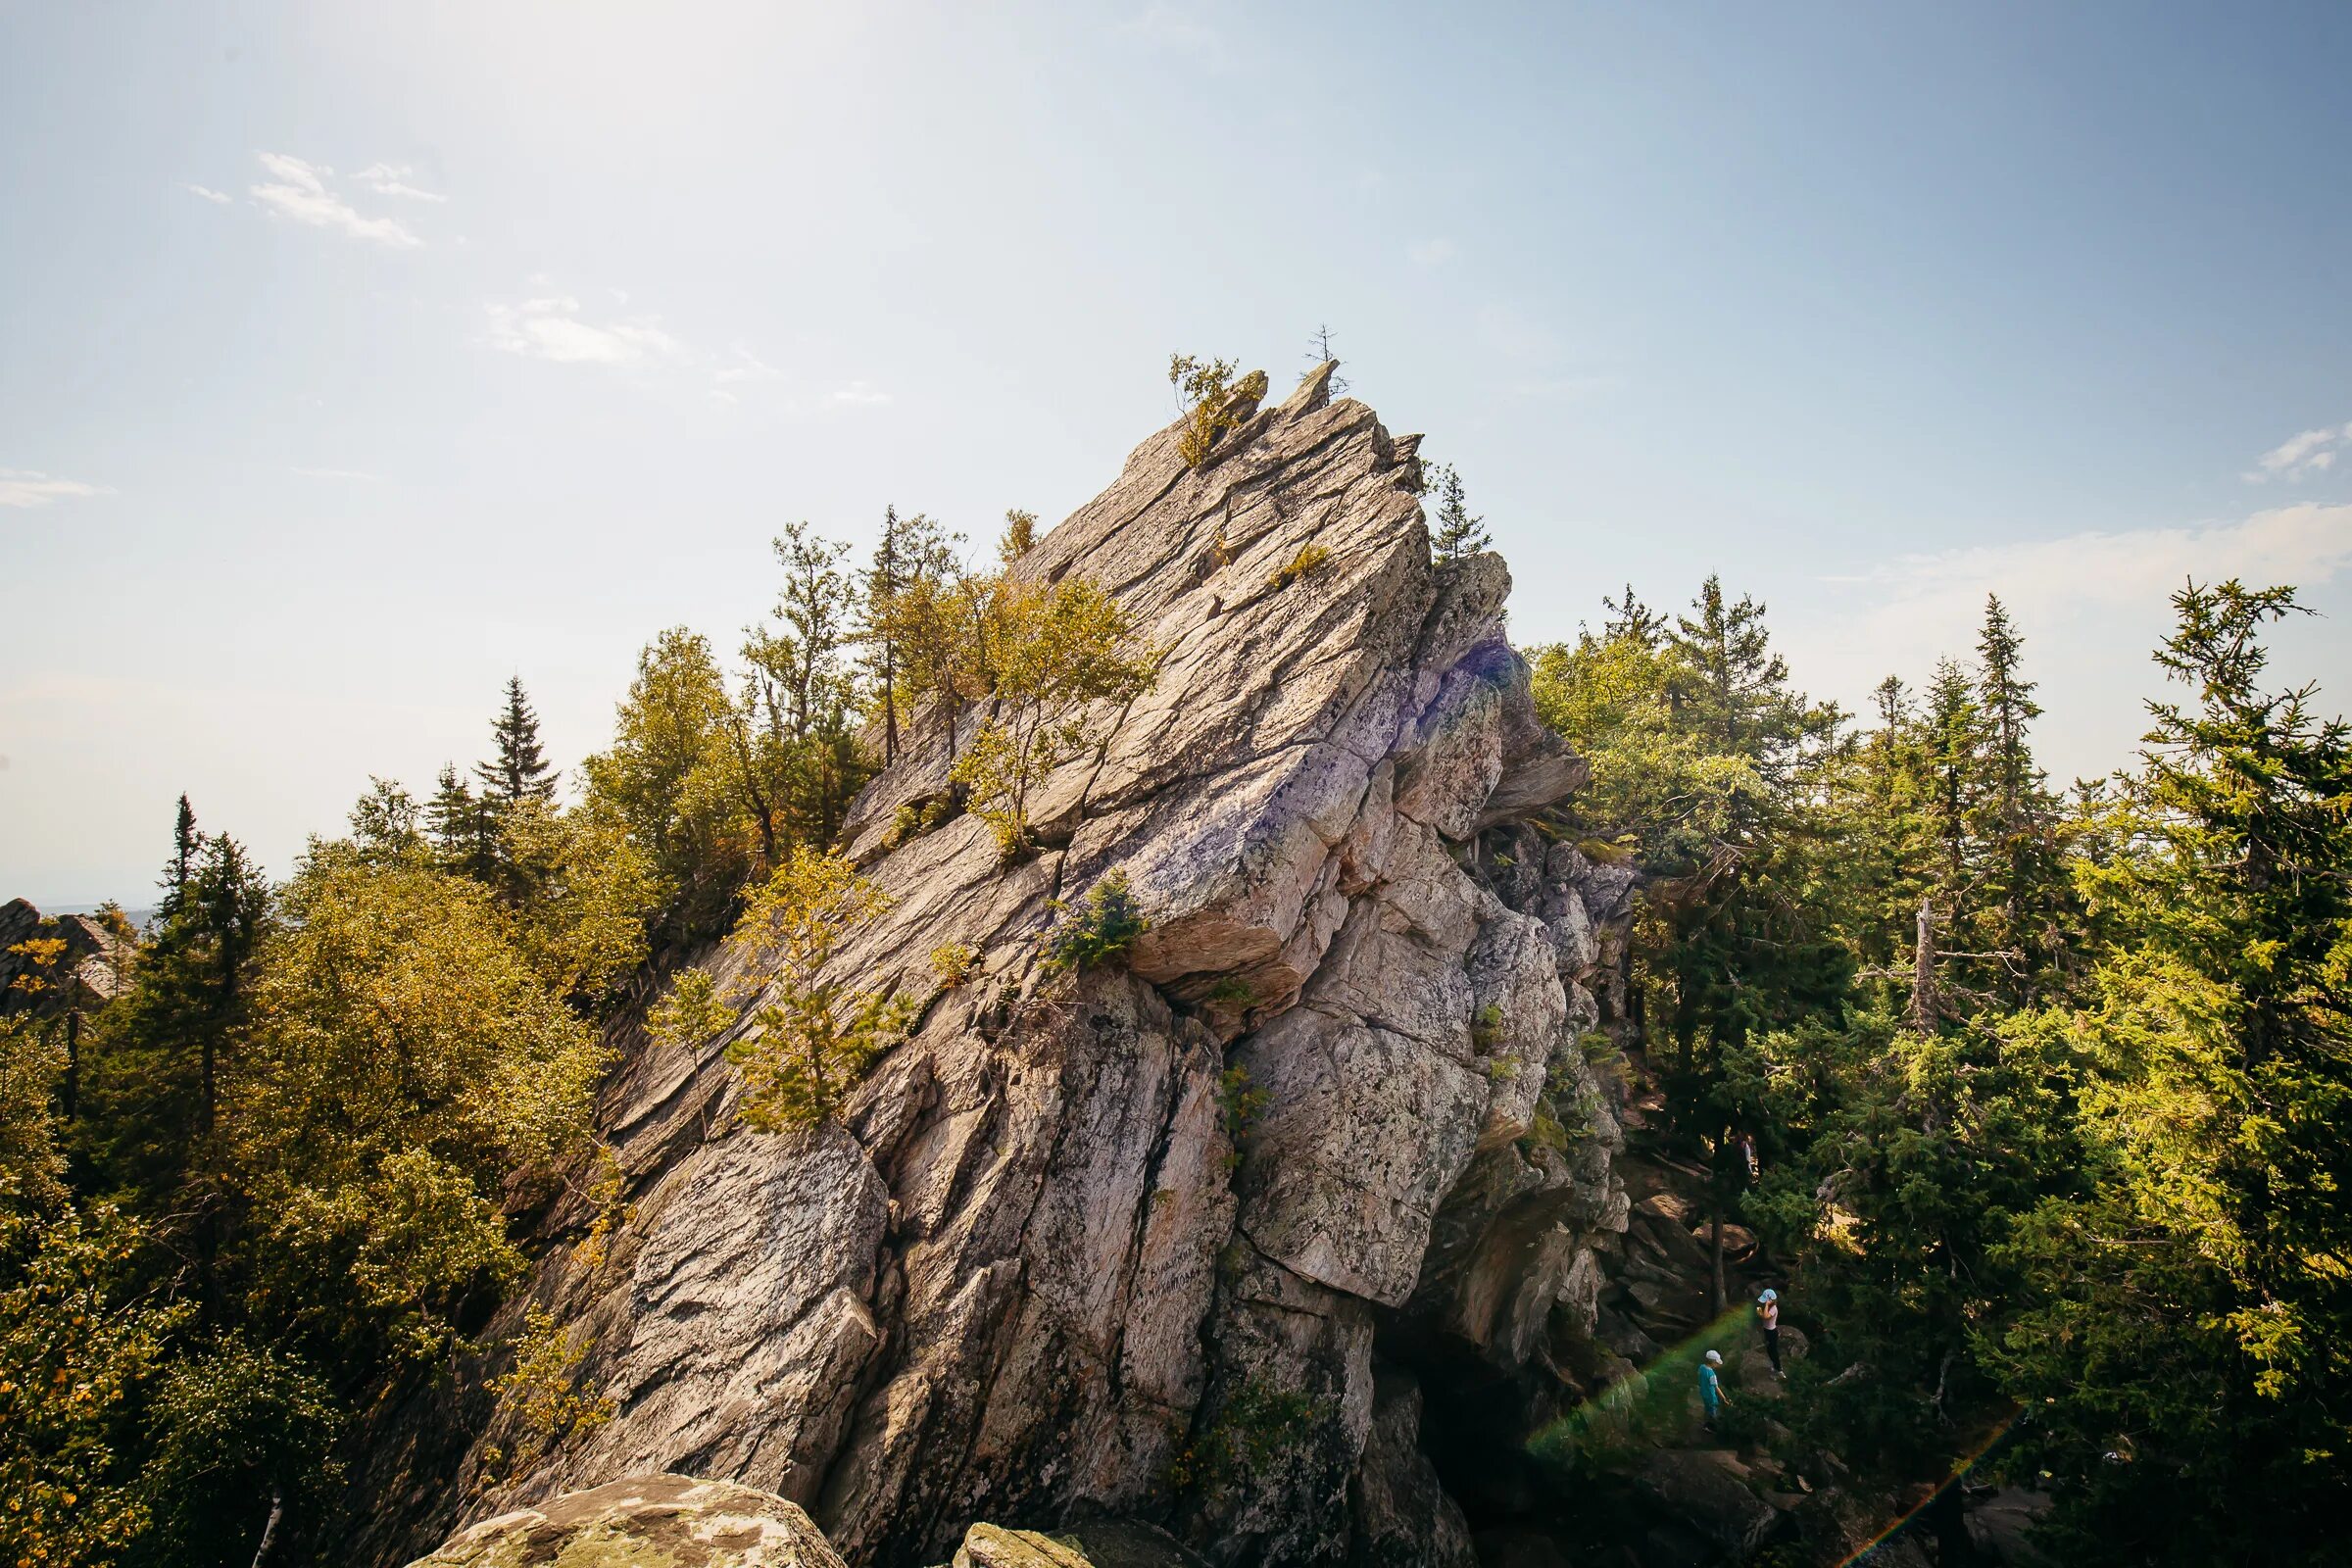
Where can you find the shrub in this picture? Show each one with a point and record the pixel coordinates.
(1257, 1427)
(540, 1393)
(1486, 1027)
(1210, 397)
(689, 1014)
(1305, 561)
(818, 1037)
(953, 962)
(1239, 1106)
(1050, 653)
(1098, 928)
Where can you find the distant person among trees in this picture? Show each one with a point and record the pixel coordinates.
(1768, 1314)
(1710, 1386)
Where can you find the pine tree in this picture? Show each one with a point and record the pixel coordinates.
(2029, 900)
(2202, 1281)
(464, 835)
(157, 1054)
(186, 843)
(912, 555)
(1457, 534)
(520, 772)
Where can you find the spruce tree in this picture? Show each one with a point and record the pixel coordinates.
(1457, 534)
(520, 772)
(464, 836)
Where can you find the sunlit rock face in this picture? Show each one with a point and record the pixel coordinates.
(1124, 1244)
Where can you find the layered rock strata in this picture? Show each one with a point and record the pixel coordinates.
(1124, 1242)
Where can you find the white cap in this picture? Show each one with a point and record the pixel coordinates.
(1714, 1359)
(1769, 1295)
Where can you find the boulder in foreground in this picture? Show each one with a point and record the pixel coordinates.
(661, 1521)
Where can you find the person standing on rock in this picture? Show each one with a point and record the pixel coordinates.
(1768, 1314)
(1710, 1386)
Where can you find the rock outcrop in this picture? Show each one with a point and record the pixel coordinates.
(1138, 1241)
(85, 972)
(659, 1520)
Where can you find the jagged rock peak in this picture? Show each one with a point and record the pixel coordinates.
(1120, 1243)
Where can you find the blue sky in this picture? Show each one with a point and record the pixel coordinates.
(354, 357)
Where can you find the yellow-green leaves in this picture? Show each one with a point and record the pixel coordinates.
(1050, 653)
(814, 1035)
(1211, 401)
(406, 1060)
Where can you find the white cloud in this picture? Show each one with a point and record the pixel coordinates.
(23, 487)
(2091, 605)
(745, 366)
(1177, 30)
(551, 327)
(392, 179)
(859, 393)
(338, 473)
(2312, 452)
(1432, 253)
(300, 192)
(207, 193)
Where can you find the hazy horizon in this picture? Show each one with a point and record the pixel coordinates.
(351, 361)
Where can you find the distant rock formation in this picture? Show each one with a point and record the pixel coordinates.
(1035, 1276)
(91, 971)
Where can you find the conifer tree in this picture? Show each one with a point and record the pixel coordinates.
(464, 835)
(912, 555)
(520, 771)
(1458, 533)
(2028, 899)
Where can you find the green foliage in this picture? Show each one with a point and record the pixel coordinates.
(539, 1397)
(1457, 534)
(1211, 401)
(393, 1008)
(1233, 991)
(1052, 652)
(672, 780)
(815, 1036)
(1019, 538)
(1309, 558)
(1098, 928)
(689, 1013)
(1256, 1427)
(1240, 1104)
(954, 963)
(76, 1349)
(2186, 1319)
(238, 1429)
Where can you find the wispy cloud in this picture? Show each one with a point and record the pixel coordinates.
(2312, 452)
(340, 473)
(744, 366)
(1177, 30)
(1432, 251)
(208, 194)
(298, 189)
(392, 179)
(25, 487)
(2093, 604)
(552, 328)
(859, 393)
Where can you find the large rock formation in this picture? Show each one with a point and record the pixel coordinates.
(1139, 1241)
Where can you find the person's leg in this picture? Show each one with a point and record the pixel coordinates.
(1772, 1348)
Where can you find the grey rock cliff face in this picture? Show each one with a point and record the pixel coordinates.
(1034, 1276)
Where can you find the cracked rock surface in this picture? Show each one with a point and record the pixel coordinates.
(1033, 1277)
